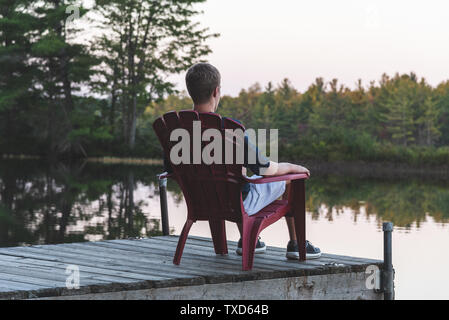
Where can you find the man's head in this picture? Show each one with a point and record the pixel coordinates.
(203, 83)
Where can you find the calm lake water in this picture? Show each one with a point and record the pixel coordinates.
(43, 204)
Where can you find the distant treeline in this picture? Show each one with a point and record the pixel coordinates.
(63, 94)
(398, 119)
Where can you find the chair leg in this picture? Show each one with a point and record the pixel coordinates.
(251, 230)
(182, 241)
(218, 231)
(299, 213)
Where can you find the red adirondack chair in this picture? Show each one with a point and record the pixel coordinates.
(213, 192)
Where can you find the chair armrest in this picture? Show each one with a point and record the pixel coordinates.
(164, 175)
(286, 177)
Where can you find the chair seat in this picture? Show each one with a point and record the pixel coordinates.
(274, 211)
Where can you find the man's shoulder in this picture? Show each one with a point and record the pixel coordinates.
(233, 119)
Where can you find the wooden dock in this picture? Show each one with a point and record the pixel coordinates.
(143, 269)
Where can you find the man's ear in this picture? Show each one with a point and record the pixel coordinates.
(215, 93)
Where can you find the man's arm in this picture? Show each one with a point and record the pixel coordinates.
(264, 166)
(279, 169)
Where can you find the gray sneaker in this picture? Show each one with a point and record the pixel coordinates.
(260, 247)
(293, 251)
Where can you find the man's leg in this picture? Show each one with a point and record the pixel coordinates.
(260, 246)
(290, 223)
(290, 220)
(239, 224)
(259, 196)
(292, 246)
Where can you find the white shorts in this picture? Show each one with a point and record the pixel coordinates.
(261, 195)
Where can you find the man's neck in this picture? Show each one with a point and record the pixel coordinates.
(205, 107)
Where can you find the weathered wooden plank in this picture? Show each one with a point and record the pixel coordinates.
(266, 258)
(49, 273)
(13, 285)
(229, 259)
(146, 259)
(192, 250)
(281, 263)
(206, 266)
(263, 263)
(110, 284)
(88, 275)
(76, 260)
(207, 241)
(326, 265)
(218, 276)
(238, 262)
(154, 262)
(147, 263)
(150, 268)
(272, 251)
(28, 279)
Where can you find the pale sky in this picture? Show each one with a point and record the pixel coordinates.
(269, 40)
(266, 40)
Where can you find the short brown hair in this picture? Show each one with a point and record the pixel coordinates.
(201, 81)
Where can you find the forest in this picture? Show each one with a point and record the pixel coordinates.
(65, 95)
(74, 81)
(399, 119)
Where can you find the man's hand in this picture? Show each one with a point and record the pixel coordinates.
(279, 169)
(302, 169)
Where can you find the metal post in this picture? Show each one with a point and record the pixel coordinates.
(164, 209)
(388, 271)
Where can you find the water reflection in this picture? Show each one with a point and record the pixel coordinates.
(403, 202)
(43, 203)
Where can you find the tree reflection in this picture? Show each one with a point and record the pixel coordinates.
(74, 202)
(403, 202)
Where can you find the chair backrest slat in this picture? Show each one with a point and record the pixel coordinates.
(212, 191)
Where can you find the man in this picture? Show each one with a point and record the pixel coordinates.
(204, 84)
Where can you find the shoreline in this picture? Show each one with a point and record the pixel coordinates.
(377, 169)
(104, 160)
(353, 168)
